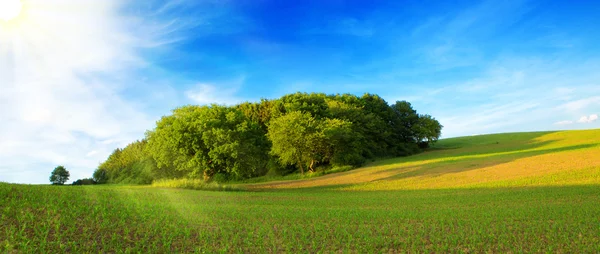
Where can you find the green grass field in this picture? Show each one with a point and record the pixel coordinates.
(519, 192)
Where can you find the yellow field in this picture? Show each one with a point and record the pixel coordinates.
(498, 160)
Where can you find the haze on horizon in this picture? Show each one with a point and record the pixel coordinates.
(81, 78)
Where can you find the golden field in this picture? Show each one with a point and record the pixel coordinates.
(496, 160)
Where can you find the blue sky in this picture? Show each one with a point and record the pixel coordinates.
(81, 78)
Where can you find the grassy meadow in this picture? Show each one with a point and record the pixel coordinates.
(516, 192)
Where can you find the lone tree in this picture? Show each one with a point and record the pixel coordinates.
(59, 176)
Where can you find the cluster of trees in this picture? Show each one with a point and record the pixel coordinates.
(297, 132)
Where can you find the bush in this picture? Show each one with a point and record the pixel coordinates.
(100, 176)
(193, 184)
(84, 181)
(220, 178)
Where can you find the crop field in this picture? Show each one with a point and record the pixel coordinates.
(518, 192)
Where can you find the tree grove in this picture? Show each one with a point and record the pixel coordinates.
(296, 132)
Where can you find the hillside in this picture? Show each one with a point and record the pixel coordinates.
(519, 192)
(496, 160)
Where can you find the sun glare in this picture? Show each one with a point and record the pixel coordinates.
(9, 9)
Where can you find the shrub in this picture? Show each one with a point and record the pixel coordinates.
(193, 184)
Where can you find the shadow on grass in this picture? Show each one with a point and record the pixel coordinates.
(452, 191)
(478, 152)
(457, 165)
(445, 162)
(475, 145)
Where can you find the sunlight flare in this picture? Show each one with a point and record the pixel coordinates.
(10, 9)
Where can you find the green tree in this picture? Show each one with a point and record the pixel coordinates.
(301, 140)
(313, 103)
(262, 112)
(237, 145)
(59, 175)
(342, 145)
(176, 142)
(130, 165)
(295, 139)
(378, 128)
(294, 132)
(427, 130)
(203, 141)
(368, 129)
(405, 120)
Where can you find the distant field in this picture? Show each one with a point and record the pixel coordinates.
(522, 192)
(497, 160)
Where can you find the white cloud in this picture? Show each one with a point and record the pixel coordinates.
(63, 65)
(224, 93)
(563, 122)
(588, 119)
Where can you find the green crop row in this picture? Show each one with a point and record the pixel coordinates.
(146, 219)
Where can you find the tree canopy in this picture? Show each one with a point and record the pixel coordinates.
(59, 175)
(298, 131)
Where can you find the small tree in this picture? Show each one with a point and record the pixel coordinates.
(59, 176)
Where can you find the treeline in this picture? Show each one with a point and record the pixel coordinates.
(297, 132)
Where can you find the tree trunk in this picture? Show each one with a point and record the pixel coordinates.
(208, 174)
(312, 162)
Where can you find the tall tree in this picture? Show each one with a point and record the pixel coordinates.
(342, 145)
(296, 139)
(176, 142)
(301, 140)
(406, 118)
(203, 141)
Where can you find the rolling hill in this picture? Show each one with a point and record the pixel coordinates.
(514, 192)
(496, 160)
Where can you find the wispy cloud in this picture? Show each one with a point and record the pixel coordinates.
(221, 93)
(515, 94)
(63, 70)
(581, 103)
(345, 26)
(566, 122)
(451, 40)
(80, 78)
(91, 153)
(208, 94)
